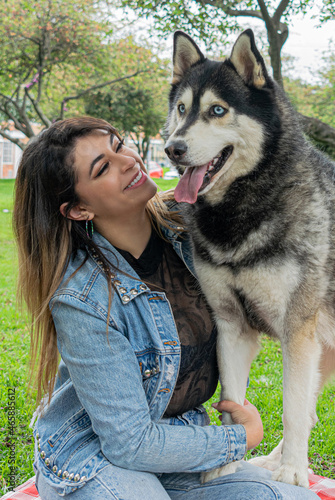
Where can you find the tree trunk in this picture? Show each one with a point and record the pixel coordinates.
(277, 36)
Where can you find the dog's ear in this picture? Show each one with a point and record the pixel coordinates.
(248, 62)
(186, 53)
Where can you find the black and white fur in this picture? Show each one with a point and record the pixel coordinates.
(262, 227)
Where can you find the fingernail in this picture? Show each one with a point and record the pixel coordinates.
(215, 405)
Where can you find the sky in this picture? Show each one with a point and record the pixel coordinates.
(308, 43)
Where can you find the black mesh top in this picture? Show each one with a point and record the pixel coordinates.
(163, 271)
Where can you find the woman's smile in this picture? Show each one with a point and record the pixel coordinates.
(137, 180)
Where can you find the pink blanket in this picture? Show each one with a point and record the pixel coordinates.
(322, 486)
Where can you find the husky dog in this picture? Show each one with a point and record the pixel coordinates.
(258, 200)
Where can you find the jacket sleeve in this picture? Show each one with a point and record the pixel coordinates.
(107, 379)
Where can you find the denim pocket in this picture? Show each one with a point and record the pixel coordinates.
(72, 455)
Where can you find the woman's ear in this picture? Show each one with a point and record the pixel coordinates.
(76, 213)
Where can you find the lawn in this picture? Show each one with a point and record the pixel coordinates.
(16, 441)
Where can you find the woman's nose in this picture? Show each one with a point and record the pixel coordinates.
(127, 162)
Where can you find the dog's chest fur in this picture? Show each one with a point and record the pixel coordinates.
(258, 246)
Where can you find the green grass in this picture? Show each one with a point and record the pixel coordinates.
(264, 390)
(14, 357)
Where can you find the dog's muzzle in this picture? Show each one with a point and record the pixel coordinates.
(176, 151)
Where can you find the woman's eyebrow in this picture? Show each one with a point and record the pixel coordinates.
(95, 161)
(98, 158)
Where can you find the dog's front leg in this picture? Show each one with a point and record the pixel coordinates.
(301, 354)
(237, 345)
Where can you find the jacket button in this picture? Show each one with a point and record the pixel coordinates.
(147, 373)
(133, 291)
(54, 468)
(59, 473)
(37, 435)
(125, 299)
(117, 282)
(122, 290)
(47, 461)
(65, 474)
(83, 478)
(42, 454)
(76, 478)
(143, 287)
(71, 476)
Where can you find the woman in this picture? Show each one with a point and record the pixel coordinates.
(106, 271)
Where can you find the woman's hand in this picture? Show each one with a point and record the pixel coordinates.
(246, 415)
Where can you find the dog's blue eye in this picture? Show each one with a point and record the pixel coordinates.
(218, 110)
(181, 109)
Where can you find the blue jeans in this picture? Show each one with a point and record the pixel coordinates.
(114, 483)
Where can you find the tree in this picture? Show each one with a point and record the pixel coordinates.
(327, 10)
(211, 19)
(137, 107)
(204, 17)
(132, 111)
(53, 53)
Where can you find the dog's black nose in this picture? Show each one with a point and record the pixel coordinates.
(176, 150)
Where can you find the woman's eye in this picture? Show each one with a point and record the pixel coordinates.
(181, 109)
(120, 145)
(103, 168)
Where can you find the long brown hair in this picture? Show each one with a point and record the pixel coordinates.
(45, 180)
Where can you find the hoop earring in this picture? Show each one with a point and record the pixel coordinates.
(89, 229)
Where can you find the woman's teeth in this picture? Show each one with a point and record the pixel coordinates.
(137, 178)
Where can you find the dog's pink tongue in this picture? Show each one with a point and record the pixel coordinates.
(189, 184)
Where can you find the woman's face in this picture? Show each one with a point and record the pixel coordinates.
(111, 177)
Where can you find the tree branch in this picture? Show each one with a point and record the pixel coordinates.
(245, 13)
(265, 14)
(12, 117)
(280, 10)
(95, 87)
(12, 139)
(25, 120)
(38, 110)
(232, 12)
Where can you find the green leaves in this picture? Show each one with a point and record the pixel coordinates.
(51, 49)
(136, 107)
(206, 20)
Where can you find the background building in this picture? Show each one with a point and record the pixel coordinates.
(10, 155)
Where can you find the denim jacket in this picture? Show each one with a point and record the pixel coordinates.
(114, 386)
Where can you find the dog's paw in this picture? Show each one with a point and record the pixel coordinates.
(221, 471)
(264, 461)
(291, 475)
(271, 461)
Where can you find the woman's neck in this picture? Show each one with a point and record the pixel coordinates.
(132, 235)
